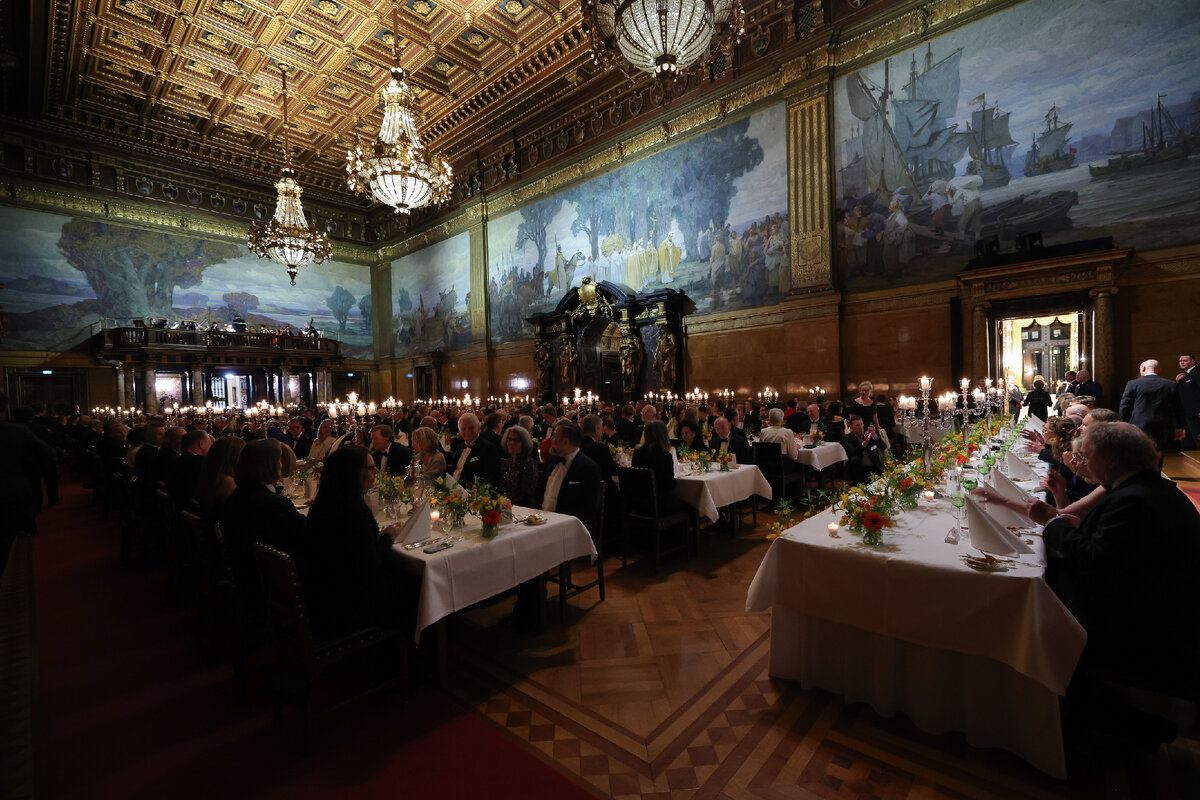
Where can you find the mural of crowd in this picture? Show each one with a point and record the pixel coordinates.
(431, 293)
(989, 131)
(64, 277)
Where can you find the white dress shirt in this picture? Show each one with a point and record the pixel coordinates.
(554, 482)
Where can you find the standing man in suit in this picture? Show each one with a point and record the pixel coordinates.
(1187, 385)
(389, 455)
(1151, 403)
(1069, 383)
(474, 457)
(1086, 387)
(724, 439)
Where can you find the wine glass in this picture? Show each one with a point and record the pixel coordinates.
(958, 499)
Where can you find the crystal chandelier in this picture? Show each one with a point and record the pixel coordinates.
(395, 169)
(661, 37)
(286, 239)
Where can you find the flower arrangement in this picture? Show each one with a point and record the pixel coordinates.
(724, 458)
(784, 519)
(817, 436)
(390, 489)
(452, 503)
(307, 470)
(490, 505)
(866, 513)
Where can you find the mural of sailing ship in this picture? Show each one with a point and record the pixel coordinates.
(930, 161)
(1163, 141)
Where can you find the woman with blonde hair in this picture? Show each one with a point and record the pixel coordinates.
(427, 453)
(323, 444)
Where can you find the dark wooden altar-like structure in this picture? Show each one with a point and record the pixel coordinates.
(612, 341)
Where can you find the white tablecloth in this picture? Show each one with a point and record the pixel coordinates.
(475, 569)
(821, 456)
(909, 627)
(707, 492)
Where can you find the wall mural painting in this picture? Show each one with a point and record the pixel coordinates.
(431, 295)
(707, 216)
(64, 276)
(1074, 118)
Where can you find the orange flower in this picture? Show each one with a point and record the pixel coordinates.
(491, 517)
(906, 483)
(962, 459)
(873, 521)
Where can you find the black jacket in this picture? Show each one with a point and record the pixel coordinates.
(398, 458)
(579, 493)
(1152, 403)
(738, 445)
(483, 462)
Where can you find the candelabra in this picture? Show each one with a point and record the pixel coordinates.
(931, 420)
(768, 395)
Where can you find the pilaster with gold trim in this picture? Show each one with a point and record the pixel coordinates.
(809, 190)
(479, 282)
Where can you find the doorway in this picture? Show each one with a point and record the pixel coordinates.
(1044, 347)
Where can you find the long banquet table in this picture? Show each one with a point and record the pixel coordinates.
(907, 626)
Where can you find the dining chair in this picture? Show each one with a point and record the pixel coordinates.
(768, 456)
(303, 663)
(567, 588)
(639, 507)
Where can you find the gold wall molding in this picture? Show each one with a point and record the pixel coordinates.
(42, 198)
(461, 222)
(809, 190)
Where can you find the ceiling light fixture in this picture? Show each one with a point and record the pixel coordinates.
(661, 37)
(286, 239)
(395, 169)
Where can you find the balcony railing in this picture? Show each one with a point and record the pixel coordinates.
(167, 338)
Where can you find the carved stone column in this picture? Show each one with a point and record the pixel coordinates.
(809, 190)
(979, 336)
(1102, 345)
(150, 380)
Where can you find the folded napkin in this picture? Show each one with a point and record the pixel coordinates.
(989, 535)
(1033, 423)
(372, 498)
(418, 527)
(1002, 513)
(1019, 469)
(1004, 485)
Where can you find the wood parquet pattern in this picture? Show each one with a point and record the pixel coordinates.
(661, 691)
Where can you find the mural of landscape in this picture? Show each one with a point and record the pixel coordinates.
(431, 293)
(1074, 118)
(707, 217)
(64, 276)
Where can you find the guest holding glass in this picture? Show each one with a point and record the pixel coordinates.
(428, 453)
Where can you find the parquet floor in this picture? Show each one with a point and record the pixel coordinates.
(662, 691)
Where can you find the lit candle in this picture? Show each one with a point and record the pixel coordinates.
(833, 530)
(435, 515)
(926, 383)
(929, 494)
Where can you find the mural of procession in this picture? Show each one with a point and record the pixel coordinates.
(1049, 117)
(707, 217)
(63, 277)
(431, 296)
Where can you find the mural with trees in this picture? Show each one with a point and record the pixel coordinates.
(65, 276)
(707, 216)
(431, 291)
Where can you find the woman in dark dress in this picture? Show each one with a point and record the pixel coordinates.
(655, 455)
(1038, 401)
(865, 406)
(519, 468)
(353, 579)
(689, 436)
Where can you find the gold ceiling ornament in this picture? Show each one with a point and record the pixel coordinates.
(395, 169)
(661, 37)
(286, 239)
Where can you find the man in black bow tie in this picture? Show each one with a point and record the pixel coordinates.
(570, 480)
(474, 457)
(725, 439)
(389, 455)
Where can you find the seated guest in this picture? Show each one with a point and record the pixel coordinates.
(1057, 428)
(1130, 574)
(389, 455)
(864, 451)
(519, 469)
(353, 570)
(300, 436)
(570, 480)
(112, 446)
(594, 448)
(809, 422)
(1069, 481)
(689, 435)
(186, 478)
(428, 453)
(325, 442)
(608, 431)
(216, 481)
(655, 455)
(723, 439)
(786, 439)
(835, 423)
(626, 428)
(255, 513)
(474, 457)
(492, 424)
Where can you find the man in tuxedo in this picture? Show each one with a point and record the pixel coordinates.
(864, 450)
(1086, 387)
(608, 432)
(1151, 403)
(1187, 386)
(299, 436)
(1069, 384)
(809, 422)
(389, 455)
(492, 425)
(1129, 572)
(474, 457)
(724, 439)
(182, 486)
(626, 428)
(570, 481)
(594, 447)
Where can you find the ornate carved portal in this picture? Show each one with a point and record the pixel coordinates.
(608, 339)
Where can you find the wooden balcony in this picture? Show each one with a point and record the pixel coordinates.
(122, 342)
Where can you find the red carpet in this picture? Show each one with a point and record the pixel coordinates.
(131, 710)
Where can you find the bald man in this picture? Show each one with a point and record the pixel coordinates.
(1152, 403)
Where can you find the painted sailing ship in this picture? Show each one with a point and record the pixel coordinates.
(989, 134)
(1049, 151)
(1163, 141)
(854, 174)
